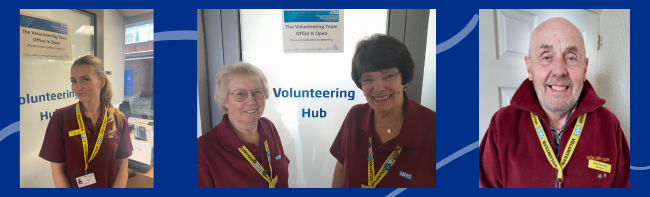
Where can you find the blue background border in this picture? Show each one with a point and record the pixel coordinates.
(457, 70)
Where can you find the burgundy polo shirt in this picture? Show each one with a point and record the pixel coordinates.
(417, 138)
(58, 147)
(220, 164)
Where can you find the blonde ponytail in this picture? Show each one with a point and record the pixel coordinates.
(115, 117)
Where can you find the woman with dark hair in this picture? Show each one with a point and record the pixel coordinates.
(391, 140)
(88, 141)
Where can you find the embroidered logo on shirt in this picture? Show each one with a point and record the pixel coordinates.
(598, 158)
(406, 175)
(278, 157)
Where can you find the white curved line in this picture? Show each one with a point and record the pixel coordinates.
(639, 168)
(12, 128)
(457, 154)
(396, 192)
(458, 37)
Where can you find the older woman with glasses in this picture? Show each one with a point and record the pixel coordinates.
(391, 140)
(244, 150)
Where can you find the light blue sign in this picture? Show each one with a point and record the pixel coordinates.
(311, 16)
(43, 24)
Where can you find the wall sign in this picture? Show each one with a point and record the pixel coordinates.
(44, 38)
(312, 31)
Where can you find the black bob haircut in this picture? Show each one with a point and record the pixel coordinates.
(380, 52)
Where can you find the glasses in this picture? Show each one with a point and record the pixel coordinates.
(241, 95)
(386, 77)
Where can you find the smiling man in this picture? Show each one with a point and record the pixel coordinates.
(556, 132)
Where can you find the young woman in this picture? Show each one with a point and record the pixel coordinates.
(88, 143)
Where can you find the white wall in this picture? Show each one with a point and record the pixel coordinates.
(306, 141)
(614, 65)
(113, 59)
(429, 80)
(110, 47)
(139, 18)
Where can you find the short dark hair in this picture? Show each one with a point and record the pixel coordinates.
(380, 52)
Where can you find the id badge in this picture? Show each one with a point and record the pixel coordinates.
(600, 166)
(86, 180)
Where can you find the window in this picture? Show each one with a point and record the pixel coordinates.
(142, 34)
(151, 31)
(138, 33)
(129, 35)
(138, 69)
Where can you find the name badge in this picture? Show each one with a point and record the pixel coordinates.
(406, 175)
(600, 166)
(86, 180)
(74, 132)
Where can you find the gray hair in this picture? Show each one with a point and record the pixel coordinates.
(226, 74)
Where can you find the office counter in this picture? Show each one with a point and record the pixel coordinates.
(141, 180)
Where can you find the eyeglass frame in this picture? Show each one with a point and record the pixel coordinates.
(380, 78)
(248, 92)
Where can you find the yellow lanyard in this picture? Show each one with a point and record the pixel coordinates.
(82, 131)
(568, 150)
(251, 159)
(373, 179)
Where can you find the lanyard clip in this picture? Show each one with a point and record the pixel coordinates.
(559, 182)
(85, 172)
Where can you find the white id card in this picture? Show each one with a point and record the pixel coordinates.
(86, 180)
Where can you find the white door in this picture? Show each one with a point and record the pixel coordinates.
(504, 36)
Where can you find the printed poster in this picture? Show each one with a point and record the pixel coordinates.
(312, 31)
(44, 38)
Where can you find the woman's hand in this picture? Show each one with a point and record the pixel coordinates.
(59, 175)
(339, 176)
(122, 173)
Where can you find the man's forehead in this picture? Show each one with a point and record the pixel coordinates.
(567, 47)
(555, 32)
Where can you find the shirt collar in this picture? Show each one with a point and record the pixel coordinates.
(101, 113)
(412, 131)
(228, 137)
